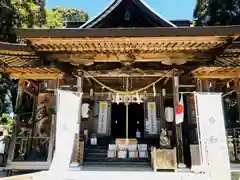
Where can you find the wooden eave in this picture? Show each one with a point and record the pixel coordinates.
(15, 49)
(17, 55)
(168, 50)
(216, 73)
(219, 31)
(127, 44)
(18, 61)
(33, 73)
(230, 56)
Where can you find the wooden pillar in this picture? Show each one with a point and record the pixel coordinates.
(237, 87)
(76, 150)
(21, 86)
(179, 137)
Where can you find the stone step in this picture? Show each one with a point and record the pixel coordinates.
(105, 159)
(116, 163)
(95, 154)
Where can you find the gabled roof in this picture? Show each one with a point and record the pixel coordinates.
(139, 3)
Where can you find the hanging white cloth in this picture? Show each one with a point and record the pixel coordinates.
(67, 121)
(213, 142)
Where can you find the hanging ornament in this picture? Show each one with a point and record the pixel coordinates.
(164, 92)
(28, 84)
(145, 94)
(154, 91)
(91, 92)
(176, 81)
(138, 98)
(228, 85)
(102, 91)
(210, 84)
(117, 98)
(109, 96)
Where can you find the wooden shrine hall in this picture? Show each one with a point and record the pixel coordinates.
(137, 66)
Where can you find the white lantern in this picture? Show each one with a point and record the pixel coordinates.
(85, 110)
(164, 92)
(169, 114)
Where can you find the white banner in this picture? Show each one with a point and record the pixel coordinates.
(68, 106)
(102, 117)
(152, 118)
(213, 144)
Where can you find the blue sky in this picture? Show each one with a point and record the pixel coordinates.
(169, 9)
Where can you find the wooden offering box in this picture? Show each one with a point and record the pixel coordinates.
(164, 159)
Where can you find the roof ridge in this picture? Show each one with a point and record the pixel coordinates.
(115, 3)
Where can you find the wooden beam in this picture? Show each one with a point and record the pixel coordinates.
(216, 76)
(41, 76)
(119, 73)
(88, 58)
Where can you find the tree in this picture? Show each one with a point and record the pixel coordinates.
(8, 93)
(217, 12)
(27, 14)
(54, 19)
(7, 21)
(71, 14)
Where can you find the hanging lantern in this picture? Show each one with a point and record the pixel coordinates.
(164, 93)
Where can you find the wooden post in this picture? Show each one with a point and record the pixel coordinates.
(126, 104)
(76, 150)
(179, 138)
(21, 86)
(237, 87)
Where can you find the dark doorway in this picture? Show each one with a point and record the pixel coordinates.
(135, 119)
(118, 122)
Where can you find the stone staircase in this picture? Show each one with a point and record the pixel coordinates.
(96, 156)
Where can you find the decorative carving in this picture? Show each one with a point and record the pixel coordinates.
(43, 118)
(164, 140)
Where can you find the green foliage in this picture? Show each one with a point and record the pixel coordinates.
(26, 13)
(6, 21)
(5, 119)
(33, 14)
(54, 19)
(8, 93)
(217, 12)
(71, 14)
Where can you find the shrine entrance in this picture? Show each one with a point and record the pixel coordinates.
(135, 120)
(118, 120)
